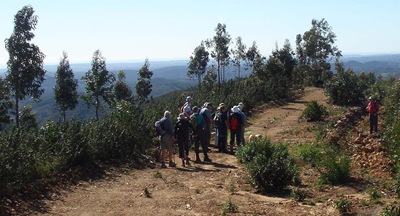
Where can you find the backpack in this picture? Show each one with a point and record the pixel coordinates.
(205, 117)
(193, 121)
(234, 122)
(217, 120)
(159, 127)
(182, 108)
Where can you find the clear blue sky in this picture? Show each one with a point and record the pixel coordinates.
(127, 30)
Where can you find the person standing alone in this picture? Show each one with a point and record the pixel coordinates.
(373, 109)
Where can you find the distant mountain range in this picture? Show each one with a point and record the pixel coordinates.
(172, 75)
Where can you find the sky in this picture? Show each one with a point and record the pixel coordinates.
(132, 30)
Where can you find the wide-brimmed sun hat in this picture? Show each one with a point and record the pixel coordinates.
(235, 109)
(189, 98)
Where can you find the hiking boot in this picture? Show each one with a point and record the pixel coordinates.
(207, 159)
(197, 159)
(183, 162)
(187, 162)
(163, 165)
(172, 164)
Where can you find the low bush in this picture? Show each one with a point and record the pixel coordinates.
(310, 154)
(334, 166)
(270, 166)
(314, 112)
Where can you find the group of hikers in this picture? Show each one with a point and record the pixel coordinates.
(195, 125)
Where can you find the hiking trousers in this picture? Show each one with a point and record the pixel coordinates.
(235, 134)
(373, 123)
(200, 139)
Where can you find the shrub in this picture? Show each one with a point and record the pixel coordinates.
(334, 166)
(229, 207)
(390, 210)
(343, 205)
(310, 154)
(314, 112)
(270, 166)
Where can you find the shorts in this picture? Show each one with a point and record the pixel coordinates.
(166, 141)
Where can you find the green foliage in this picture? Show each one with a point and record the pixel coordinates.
(18, 159)
(343, 205)
(310, 153)
(392, 123)
(315, 48)
(390, 210)
(5, 102)
(314, 112)
(28, 118)
(298, 194)
(270, 166)
(146, 193)
(143, 85)
(220, 53)
(98, 83)
(121, 88)
(25, 72)
(198, 62)
(334, 166)
(65, 90)
(229, 207)
(345, 88)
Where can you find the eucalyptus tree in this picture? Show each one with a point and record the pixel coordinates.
(25, 73)
(99, 83)
(286, 56)
(121, 88)
(65, 90)
(220, 53)
(252, 55)
(198, 62)
(143, 85)
(316, 49)
(239, 54)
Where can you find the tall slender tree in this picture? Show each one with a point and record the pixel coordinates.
(239, 54)
(252, 55)
(121, 88)
(143, 85)
(198, 62)
(25, 73)
(220, 53)
(98, 83)
(316, 49)
(65, 90)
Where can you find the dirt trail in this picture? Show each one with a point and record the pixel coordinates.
(202, 189)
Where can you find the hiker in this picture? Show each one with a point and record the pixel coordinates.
(235, 124)
(221, 125)
(182, 132)
(373, 109)
(200, 138)
(167, 139)
(187, 107)
(206, 113)
(244, 119)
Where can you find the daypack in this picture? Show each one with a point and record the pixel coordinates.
(205, 117)
(182, 108)
(159, 127)
(193, 121)
(198, 121)
(217, 120)
(372, 108)
(234, 122)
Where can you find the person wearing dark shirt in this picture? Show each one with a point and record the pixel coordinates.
(182, 133)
